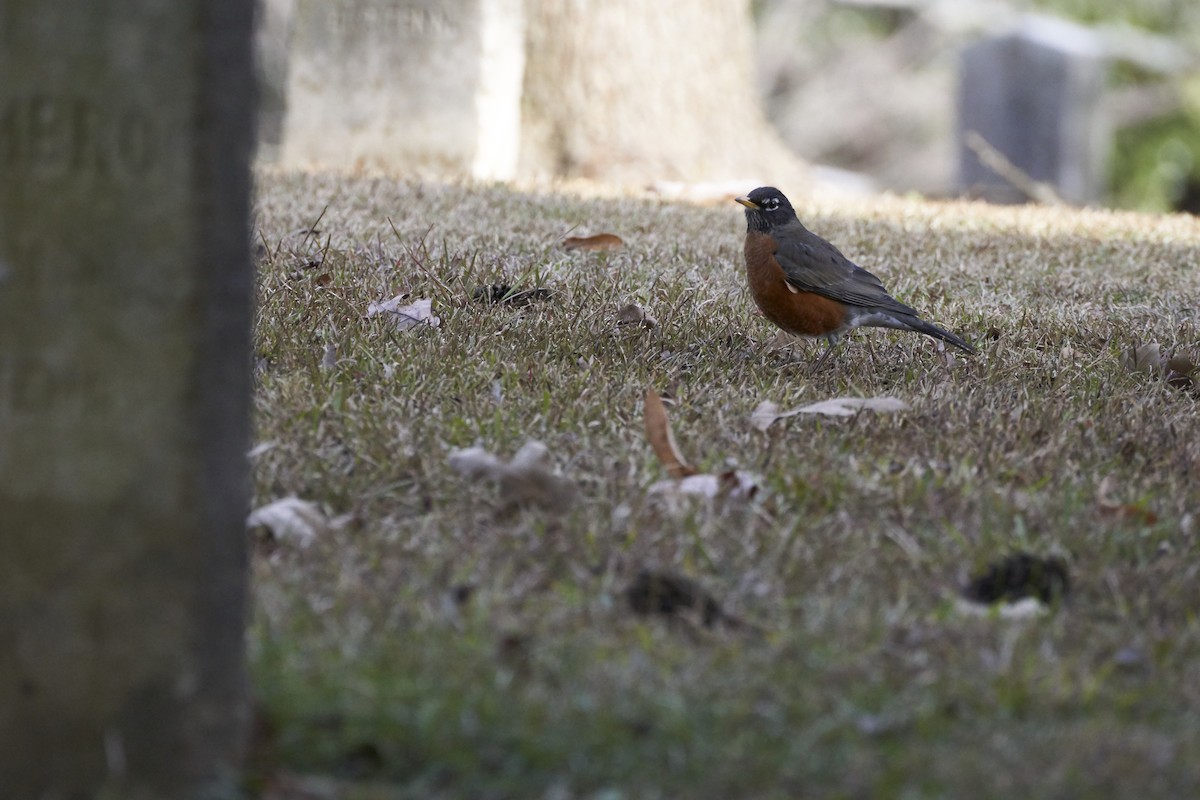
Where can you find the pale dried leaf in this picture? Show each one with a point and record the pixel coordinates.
(1179, 371)
(764, 414)
(633, 314)
(290, 520)
(597, 243)
(330, 358)
(1025, 608)
(735, 484)
(528, 479)
(1146, 358)
(532, 456)
(662, 440)
(767, 412)
(475, 462)
(406, 316)
(849, 406)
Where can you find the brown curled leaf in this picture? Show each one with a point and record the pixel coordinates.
(662, 440)
(598, 243)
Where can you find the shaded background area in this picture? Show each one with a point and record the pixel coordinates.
(864, 90)
(869, 86)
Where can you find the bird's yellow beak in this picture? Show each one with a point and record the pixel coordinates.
(746, 201)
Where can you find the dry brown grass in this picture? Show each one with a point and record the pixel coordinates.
(474, 650)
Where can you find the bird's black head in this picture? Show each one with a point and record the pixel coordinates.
(766, 207)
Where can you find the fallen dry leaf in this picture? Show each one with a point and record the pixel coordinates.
(655, 592)
(1108, 504)
(597, 243)
(330, 357)
(1146, 358)
(290, 520)
(767, 412)
(405, 317)
(662, 440)
(475, 462)
(685, 480)
(1017, 577)
(734, 484)
(1181, 373)
(529, 479)
(633, 314)
(764, 415)
(506, 295)
(1177, 370)
(1025, 608)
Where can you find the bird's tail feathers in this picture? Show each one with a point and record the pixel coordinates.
(929, 329)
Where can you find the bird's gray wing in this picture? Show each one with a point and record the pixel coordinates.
(812, 264)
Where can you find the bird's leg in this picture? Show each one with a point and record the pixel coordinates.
(871, 353)
(832, 342)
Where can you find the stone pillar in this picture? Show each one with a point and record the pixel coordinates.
(406, 86)
(1035, 95)
(125, 309)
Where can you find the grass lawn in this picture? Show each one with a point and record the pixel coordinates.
(440, 642)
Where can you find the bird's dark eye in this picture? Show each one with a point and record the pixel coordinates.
(772, 204)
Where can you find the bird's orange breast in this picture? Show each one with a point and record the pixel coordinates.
(798, 312)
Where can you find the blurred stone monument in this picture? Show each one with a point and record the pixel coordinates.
(1034, 98)
(621, 91)
(125, 310)
(433, 85)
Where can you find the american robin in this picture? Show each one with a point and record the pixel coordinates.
(806, 286)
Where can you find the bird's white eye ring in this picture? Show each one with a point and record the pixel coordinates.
(771, 204)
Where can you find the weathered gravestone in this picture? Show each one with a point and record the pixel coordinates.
(125, 303)
(1034, 95)
(405, 84)
(623, 90)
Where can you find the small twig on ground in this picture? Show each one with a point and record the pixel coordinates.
(998, 163)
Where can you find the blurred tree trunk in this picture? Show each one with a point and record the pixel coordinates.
(630, 92)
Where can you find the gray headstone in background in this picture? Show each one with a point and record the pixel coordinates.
(1035, 95)
(125, 310)
(272, 33)
(405, 84)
